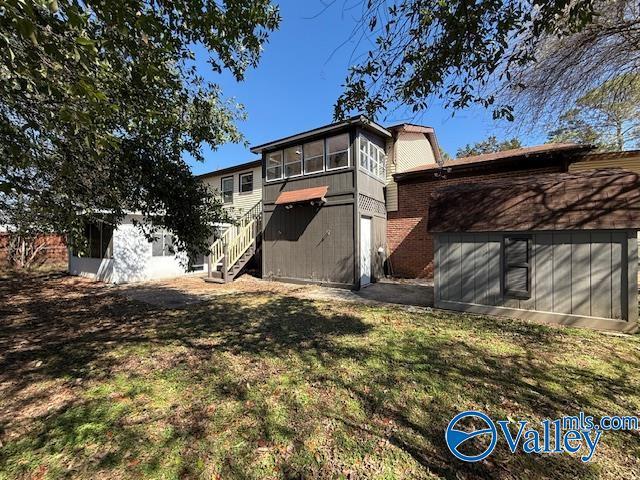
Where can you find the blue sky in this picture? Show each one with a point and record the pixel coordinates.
(299, 79)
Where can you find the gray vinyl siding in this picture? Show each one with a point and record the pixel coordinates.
(321, 244)
(311, 243)
(371, 203)
(308, 243)
(582, 274)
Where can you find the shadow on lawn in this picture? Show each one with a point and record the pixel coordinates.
(65, 330)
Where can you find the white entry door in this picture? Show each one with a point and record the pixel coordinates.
(365, 251)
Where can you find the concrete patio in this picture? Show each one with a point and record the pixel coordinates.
(183, 291)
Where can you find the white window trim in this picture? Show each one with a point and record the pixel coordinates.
(245, 174)
(301, 161)
(230, 177)
(323, 156)
(327, 154)
(377, 149)
(266, 173)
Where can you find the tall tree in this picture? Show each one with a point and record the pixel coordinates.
(490, 145)
(101, 102)
(607, 116)
(568, 67)
(472, 52)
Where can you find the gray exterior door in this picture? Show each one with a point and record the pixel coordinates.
(365, 251)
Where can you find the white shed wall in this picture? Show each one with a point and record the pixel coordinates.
(132, 260)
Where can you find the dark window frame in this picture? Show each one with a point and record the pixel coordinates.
(506, 265)
(224, 200)
(103, 248)
(240, 176)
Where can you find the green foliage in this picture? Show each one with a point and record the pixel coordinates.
(607, 116)
(101, 102)
(444, 155)
(490, 145)
(452, 50)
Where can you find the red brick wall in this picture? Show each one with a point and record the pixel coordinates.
(410, 246)
(54, 253)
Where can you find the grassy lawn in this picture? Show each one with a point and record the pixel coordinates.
(265, 385)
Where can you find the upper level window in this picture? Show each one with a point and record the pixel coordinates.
(338, 151)
(372, 157)
(227, 190)
(516, 253)
(246, 182)
(293, 161)
(314, 156)
(162, 245)
(274, 165)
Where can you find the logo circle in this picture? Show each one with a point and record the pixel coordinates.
(456, 437)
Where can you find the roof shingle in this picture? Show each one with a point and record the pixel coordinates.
(597, 199)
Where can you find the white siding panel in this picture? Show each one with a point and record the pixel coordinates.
(408, 151)
(241, 201)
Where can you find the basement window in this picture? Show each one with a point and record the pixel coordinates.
(516, 256)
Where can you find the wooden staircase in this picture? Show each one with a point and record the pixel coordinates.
(230, 253)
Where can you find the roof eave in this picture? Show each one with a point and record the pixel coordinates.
(234, 168)
(500, 161)
(357, 120)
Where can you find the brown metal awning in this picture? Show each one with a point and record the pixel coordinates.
(302, 195)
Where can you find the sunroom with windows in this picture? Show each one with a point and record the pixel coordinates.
(324, 209)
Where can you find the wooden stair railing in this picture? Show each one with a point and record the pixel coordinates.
(235, 241)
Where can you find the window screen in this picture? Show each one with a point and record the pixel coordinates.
(274, 165)
(98, 241)
(516, 266)
(372, 158)
(338, 151)
(227, 190)
(246, 182)
(293, 161)
(314, 157)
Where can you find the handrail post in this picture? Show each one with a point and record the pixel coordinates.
(209, 263)
(225, 260)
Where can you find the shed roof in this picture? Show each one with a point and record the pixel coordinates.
(505, 156)
(597, 199)
(302, 195)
